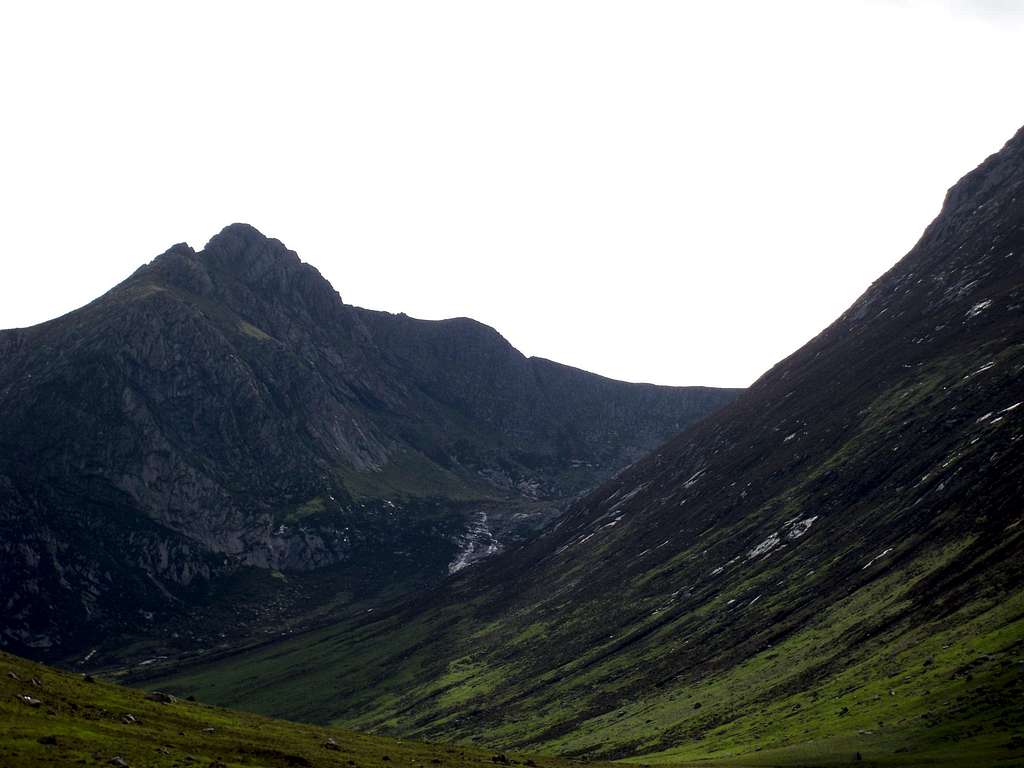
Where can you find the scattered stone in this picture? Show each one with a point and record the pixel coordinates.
(697, 705)
(13, 675)
(331, 744)
(48, 741)
(30, 701)
(209, 730)
(501, 760)
(129, 719)
(218, 764)
(118, 761)
(37, 682)
(163, 698)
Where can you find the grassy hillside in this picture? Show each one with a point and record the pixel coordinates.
(83, 722)
(861, 678)
(77, 723)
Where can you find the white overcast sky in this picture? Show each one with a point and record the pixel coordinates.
(677, 192)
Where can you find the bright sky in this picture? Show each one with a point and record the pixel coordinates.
(677, 192)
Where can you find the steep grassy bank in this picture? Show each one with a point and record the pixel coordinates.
(71, 722)
(863, 677)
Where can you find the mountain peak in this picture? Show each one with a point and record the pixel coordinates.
(240, 229)
(239, 264)
(996, 170)
(243, 248)
(241, 238)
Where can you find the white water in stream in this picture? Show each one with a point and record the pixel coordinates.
(475, 544)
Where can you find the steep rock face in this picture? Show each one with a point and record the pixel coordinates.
(225, 408)
(833, 560)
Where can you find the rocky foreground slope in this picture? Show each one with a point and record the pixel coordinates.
(223, 412)
(827, 570)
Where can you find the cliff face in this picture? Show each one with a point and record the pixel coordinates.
(225, 408)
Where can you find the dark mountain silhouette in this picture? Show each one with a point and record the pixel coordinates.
(224, 410)
(827, 569)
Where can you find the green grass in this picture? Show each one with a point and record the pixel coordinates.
(251, 330)
(410, 474)
(762, 711)
(934, 712)
(87, 723)
(312, 507)
(84, 723)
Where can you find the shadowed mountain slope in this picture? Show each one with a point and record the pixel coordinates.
(223, 410)
(828, 567)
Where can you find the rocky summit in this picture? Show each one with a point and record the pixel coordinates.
(221, 439)
(826, 571)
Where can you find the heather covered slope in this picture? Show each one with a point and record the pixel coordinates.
(223, 412)
(831, 565)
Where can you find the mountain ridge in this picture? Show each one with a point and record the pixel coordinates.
(223, 409)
